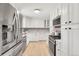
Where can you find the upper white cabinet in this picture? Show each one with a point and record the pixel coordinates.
(74, 13)
(64, 14)
(46, 23)
(69, 14)
(35, 23)
(55, 13)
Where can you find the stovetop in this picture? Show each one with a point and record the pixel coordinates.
(55, 37)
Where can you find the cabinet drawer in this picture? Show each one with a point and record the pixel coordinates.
(58, 47)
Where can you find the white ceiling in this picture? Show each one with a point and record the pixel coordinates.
(27, 9)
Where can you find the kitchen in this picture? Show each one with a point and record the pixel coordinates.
(39, 29)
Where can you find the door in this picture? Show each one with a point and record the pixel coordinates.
(64, 41)
(74, 13)
(58, 47)
(74, 40)
(64, 14)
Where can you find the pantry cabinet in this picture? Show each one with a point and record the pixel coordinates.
(69, 43)
(74, 40)
(70, 29)
(64, 40)
(70, 40)
(58, 47)
(64, 14)
(69, 14)
(74, 13)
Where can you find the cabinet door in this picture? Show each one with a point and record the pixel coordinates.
(59, 9)
(56, 12)
(74, 40)
(64, 13)
(64, 41)
(74, 13)
(58, 47)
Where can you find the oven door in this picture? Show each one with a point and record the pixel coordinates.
(52, 46)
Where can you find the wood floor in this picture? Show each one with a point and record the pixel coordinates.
(39, 48)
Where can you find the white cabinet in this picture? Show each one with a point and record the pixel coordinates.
(64, 14)
(69, 14)
(46, 23)
(64, 40)
(70, 29)
(55, 13)
(74, 40)
(74, 13)
(35, 23)
(58, 47)
(59, 9)
(70, 40)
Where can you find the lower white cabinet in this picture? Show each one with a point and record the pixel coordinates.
(64, 40)
(58, 47)
(74, 40)
(70, 40)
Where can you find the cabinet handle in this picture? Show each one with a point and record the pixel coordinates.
(65, 22)
(69, 28)
(66, 28)
(69, 21)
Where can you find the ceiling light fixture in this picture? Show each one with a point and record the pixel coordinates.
(37, 11)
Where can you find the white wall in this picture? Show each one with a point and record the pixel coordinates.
(37, 34)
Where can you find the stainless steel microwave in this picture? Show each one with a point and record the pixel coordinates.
(57, 20)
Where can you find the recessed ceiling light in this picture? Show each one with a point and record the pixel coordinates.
(37, 11)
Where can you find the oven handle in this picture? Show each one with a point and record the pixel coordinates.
(52, 42)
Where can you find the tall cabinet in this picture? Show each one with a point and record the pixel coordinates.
(74, 29)
(70, 29)
(64, 29)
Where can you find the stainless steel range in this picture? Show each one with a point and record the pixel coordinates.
(56, 34)
(52, 45)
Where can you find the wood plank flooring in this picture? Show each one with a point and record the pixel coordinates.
(39, 48)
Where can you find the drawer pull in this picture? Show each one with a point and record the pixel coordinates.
(69, 28)
(66, 28)
(65, 22)
(69, 21)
